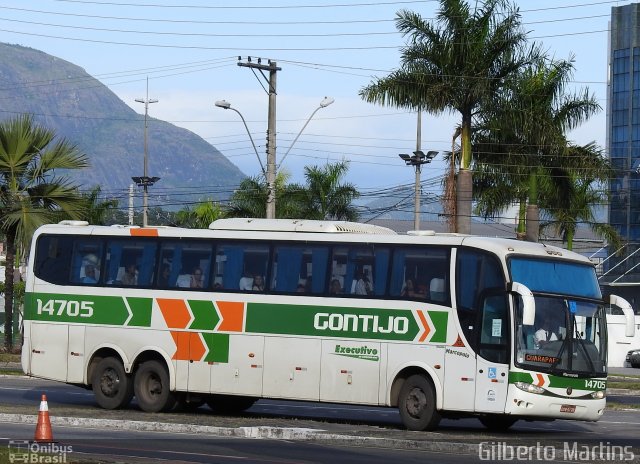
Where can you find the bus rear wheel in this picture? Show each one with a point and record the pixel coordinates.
(497, 423)
(417, 404)
(111, 385)
(151, 387)
(230, 404)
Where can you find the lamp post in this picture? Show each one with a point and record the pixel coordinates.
(145, 181)
(227, 106)
(270, 172)
(417, 160)
(326, 101)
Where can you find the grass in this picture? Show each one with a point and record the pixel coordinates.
(11, 372)
(620, 406)
(627, 385)
(9, 357)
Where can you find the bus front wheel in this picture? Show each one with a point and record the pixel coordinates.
(111, 385)
(417, 404)
(151, 387)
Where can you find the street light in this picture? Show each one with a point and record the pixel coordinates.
(145, 181)
(326, 101)
(417, 160)
(227, 106)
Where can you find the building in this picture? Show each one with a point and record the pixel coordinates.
(623, 145)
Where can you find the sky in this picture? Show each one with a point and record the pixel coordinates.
(188, 50)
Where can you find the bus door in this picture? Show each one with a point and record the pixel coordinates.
(492, 361)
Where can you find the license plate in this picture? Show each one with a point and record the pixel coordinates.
(570, 408)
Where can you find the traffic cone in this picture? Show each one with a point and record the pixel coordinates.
(43, 428)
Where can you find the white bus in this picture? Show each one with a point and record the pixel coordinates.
(437, 325)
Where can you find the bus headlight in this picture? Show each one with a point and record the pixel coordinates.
(598, 395)
(529, 388)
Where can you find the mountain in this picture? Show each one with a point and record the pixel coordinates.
(63, 97)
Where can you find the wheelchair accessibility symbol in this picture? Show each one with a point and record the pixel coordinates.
(493, 373)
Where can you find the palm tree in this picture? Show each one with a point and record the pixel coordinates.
(96, 210)
(521, 146)
(455, 64)
(32, 192)
(326, 196)
(250, 199)
(570, 201)
(201, 216)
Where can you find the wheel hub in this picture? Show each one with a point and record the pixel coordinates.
(416, 402)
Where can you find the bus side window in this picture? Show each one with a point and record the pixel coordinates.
(300, 269)
(237, 263)
(130, 262)
(53, 258)
(86, 260)
(421, 273)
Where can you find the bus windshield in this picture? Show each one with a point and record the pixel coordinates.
(569, 332)
(557, 277)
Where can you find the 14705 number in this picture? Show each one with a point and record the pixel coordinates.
(70, 308)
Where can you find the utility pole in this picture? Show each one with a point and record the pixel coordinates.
(418, 193)
(271, 131)
(145, 181)
(131, 204)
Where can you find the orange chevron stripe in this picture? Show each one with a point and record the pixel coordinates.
(175, 313)
(196, 346)
(540, 380)
(427, 329)
(182, 345)
(232, 314)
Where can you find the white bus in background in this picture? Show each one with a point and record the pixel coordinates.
(437, 325)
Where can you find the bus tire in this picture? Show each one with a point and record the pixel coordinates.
(112, 387)
(417, 404)
(230, 404)
(151, 385)
(497, 423)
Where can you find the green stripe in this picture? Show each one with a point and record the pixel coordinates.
(141, 309)
(218, 345)
(556, 381)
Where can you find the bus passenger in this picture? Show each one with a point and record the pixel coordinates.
(258, 284)
(130, 277)
(335, 288)
(196, 278)
(89, 275)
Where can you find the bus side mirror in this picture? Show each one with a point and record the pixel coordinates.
(627, 310)
(529, 303)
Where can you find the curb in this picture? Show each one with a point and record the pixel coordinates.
(261, 432)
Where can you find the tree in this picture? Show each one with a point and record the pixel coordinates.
(571, 202)
(455, 64)
(32, 192)
(200, 216)
(326, 196)
(521, 148)
(250, 199)
(97, 211)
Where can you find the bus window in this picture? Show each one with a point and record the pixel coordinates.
(360, 270)
(130, 262)
(86, 260)
(300, 269)
(421, 273)
(185, 264)
(237, 265)
(53, 258)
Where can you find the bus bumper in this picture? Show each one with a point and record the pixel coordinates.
(552, 405)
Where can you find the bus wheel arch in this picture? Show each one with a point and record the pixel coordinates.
(111, 385)
(414, 393)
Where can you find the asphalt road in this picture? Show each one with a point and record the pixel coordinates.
(22, 396)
